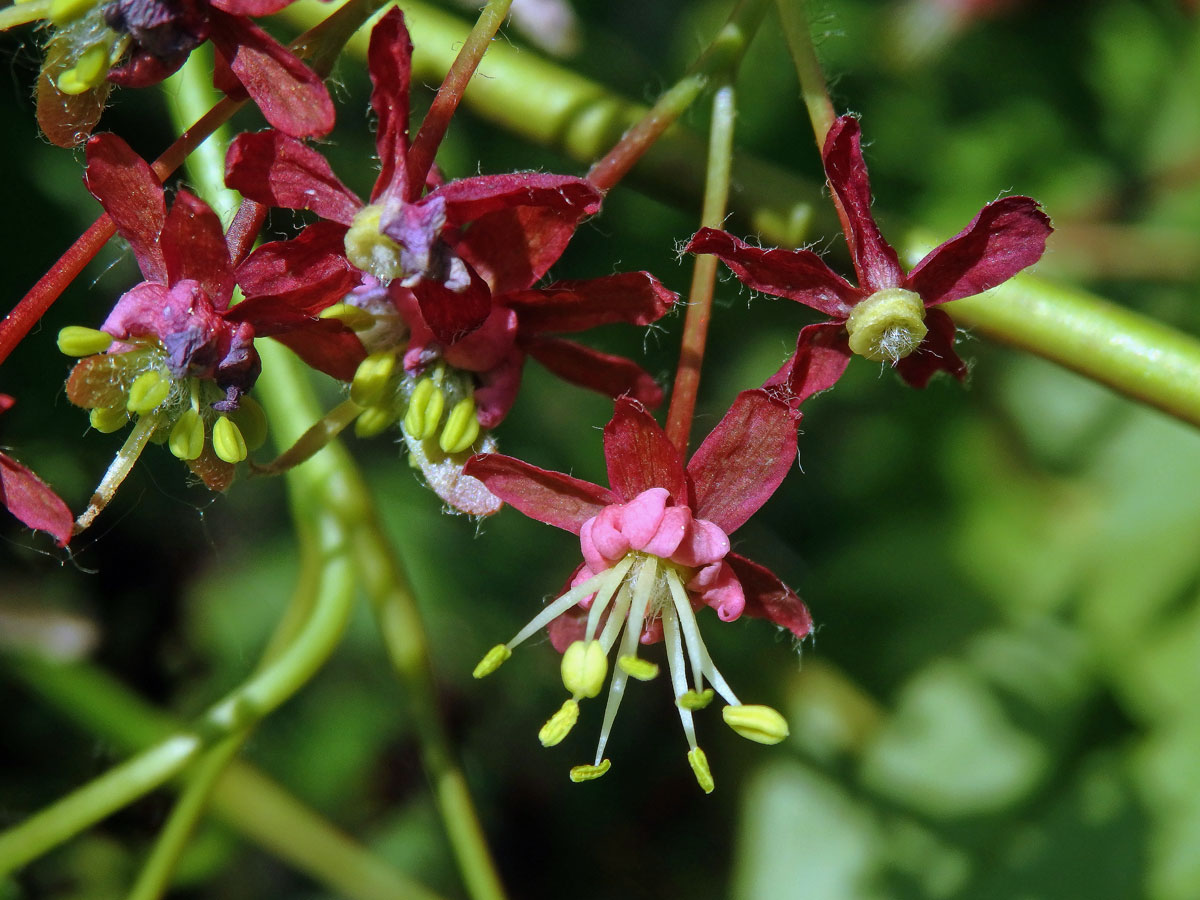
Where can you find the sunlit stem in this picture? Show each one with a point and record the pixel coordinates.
(812, 82)
(433, 128)
(120, 467)
(704, 273)
(677, 667)
(22, 13)
(317, 437)
(643, 588)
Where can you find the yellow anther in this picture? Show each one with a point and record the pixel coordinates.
(589, 773)
(75, 340)
(424, 410)
(699, 763)
(63, 12)
(888, 325)
(187, 436)
(584, 667)
(371, 251)
(227, 441)
(371, 378)
(641, 669)
(374, 420)
(462, 427)
(756, 723)
(694, 700)
(559, 725)
(88, 72)
(251, 420)
(107, 419)
(147, 392)
(494, 659)
(353, 317)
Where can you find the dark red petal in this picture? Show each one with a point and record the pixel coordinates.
(635, 297)
(743, 460)
(132, 196)
(1007, 236)
(639, 455)
(311, 269)
(603, 372)
(550, 497)
(798, 275)
(769, 598)
(291, 96)
(936, 353)
(471, 198)
(32, 501)
(193, 246)
(277, 170)
(513, 248)
(326, 345)
(822, 354)
(874, 259)
(389, 60)
(452, 315)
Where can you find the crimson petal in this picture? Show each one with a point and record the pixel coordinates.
(936, 353)
(639, 455)
(32, 501)
(874, 259)
(310, 269)
(743, 460)
(1007, 236)
(822, 354)
(550, 497)
(253, 8)
(277, 170)
(193, 246)
(513, 248)
(603, 372)
(798, 275)
(635, 297)
(389, 60)
(326, 345)
(291, 96)
(132, 195)
(769, 598)
(470, 198)
(452, 315)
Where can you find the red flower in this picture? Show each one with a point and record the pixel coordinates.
(29, 498)
(656, 549)
(890, 316)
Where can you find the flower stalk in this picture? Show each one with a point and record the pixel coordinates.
(813, 88)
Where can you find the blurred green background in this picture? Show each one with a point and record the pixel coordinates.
(1000, 699)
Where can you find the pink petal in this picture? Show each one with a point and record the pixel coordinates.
(671, 532)
(512, 248)
(639, 519)
(822, 354)
(469, 199)
(569, 628)
(132, 196)
(252, 8)
(719, 588)
(601, 540)
(603, 372)
(703, 544)
(936, 353)
(291, 96)
(639, 456)
(635, 297)
(798, 275)
(193, 246)
(769, 598)
(743, 460)
(1007, 236)
(389, 60)
(874, 259)
(278, 170)
(550, 497)
(32, 501)
(310, 270)
(498, 389)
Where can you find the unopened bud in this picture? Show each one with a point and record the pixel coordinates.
(353, 317)
(462, 427)
(560, 724)
(374, 420)
(187, 436)
(424, 410)
(371, 377)
(107, 419)
(75, 340)
(88, 72)
(369, 250)
(147, 392)
(589, 773)
(694, 700)
(699, 763)
(584, 667)
(227, 440)
(756, 723)
(494, 659)
(251, 420)
(641, 669)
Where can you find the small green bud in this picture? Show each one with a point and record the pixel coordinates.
(492, 660)
(756, 723)
(374, 420)
(353, 317)
(425, 407)
(147, 392)
(251, 420)
(187, 436)
(559, 725)
(107, 419)
(584, 667)
(227, 441)
(695, 700)
(589, 773)
(641, 669)
(370, 250)
(75, 340)
(371, 377)
(699, 763)
(462, 427)
(88, 72)
(888, 325)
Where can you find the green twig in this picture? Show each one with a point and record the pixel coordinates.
(813, 89)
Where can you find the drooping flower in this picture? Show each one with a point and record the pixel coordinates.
(891, 316)
(137, 43)
(29, 498)
(656, 550)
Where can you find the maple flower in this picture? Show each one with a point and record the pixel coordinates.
(891, 316)
(29, 498)
(137, 43)
(655, 550)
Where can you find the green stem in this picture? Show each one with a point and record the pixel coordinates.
(243, 797)
(704, 274)
(437, 120)
(813, 88)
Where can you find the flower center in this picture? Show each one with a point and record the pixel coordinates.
(371, 250)
(888, 325)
